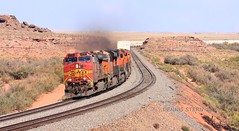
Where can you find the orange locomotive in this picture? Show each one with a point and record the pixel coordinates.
(86, 73)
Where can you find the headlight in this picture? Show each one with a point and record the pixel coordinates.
(69, 79)
(77, 66)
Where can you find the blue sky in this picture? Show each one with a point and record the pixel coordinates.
(128, 15)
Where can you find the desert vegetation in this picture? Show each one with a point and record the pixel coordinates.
(27, 79)
(214, 71)
(226, 45)
(31, 59)
(185, 128)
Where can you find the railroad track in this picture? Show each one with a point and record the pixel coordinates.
(47, 107)
(147, 79)
(36, 110)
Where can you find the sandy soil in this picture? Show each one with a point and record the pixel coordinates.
(49, 98)
(6, 87)
(145, 119)
(191, 103)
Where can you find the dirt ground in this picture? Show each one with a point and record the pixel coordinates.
(192, 104)
(146, 118)
(49, 98)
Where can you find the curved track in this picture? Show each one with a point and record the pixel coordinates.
(148, 79)
(35, 110)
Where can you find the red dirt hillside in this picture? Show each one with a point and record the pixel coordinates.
(178, 44)
(29, 40)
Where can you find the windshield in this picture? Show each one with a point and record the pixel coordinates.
(87, 58)
(71, 59)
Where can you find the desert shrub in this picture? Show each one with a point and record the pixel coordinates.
(199, 75)
(155, 60)
(1, 83)
(40, 76)
(169, 60)
(185, 128)
(225, 43)
(6, 78)
(5, 104)
(211, 68)
(206, 78)
(228, 76)
(46, 83)
(21, 100)
(235, 59)
(235, 120)
(189, 60)
(23, 93)
(228, 97)
(233, 46)
(1, 90)
(222, 86)
(16, 99)
(58, 71)
(232, 63)
(223, 75)
(19, 69)
(19, 74)
(184, 60)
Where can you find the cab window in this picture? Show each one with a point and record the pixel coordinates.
(74, 59)
(83, 59)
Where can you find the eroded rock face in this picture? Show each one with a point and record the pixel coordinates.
(11, 22)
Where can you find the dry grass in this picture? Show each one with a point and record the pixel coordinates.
(28, 79)
(183, 60)
(225, 45)
(185, 128)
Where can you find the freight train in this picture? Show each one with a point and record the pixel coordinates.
(86, 73)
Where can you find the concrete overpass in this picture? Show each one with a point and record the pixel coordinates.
(128, 44)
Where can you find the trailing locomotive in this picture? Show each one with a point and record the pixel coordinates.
(86, 73)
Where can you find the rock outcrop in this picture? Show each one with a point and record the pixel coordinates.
(11, 22)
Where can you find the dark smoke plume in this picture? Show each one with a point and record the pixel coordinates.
(94, 41)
